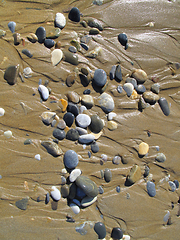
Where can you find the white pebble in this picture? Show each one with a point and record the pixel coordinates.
(64, 170)
(128, 87)
(82, 109)
(126, 237)
(60, 20)
(8, 134)
(56, 56)
(74, 174)
(104, 157)
(111, 115)
(83, 120)
(75, 208)
(55, 194)
(2, 111)
(27, 72)
(44, 92)
(38, 157)
(166, 217)
(86, 138)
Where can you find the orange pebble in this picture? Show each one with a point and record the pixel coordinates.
(64, 104)
(134, 95)
(26, 185)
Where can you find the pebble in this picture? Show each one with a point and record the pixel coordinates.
(107, 175)
(143, 148)
(119, 89)
(70, 80)
(53, 33)
(41, 34)
(44, 92)
(65, 191)
(164, 106)
(160, 157)
(12, 26)
(155, 88)
(74, 14)
(94, 31)
(37, 157)
(32, 38)
(151, 189)
(98, 2)
(111, 115)
(132, 81)
(176, 183)
(80, 193)
(74, 174)
(49, 43)
(140, 75)
(87, 91)
(48, 117)
(68, 118)
(59, 134)
(94, 147)
(83, 45)
(70, 159)
(146, 171)
(17, 39)
(56, 56)
(101, 190)
(73, 108)
(140, 89)
(94, 23)
(87, 185)
(87, 201)
(27, 141)
(47, 198)
(72, 135)
(81, 131)
(2, 33)
(150, 97)
(60, 20)
(166, 217)
(116, 160)
(128, 88)
(72, 49)
(75, 208)
(89, 154)
(63, 179)
(134, 174)
(117, 233)
(86, 138)
(52, 148)
(55, 193)
(84, 80)
(82, 109)
(122, 38)
(11, 74)
(100, 77)
(83, 120)
(141, 104)
(96, 124)
(73, 97)
(63, 104)
(88, 101)
(106, 102)
(8, 134)
(22, 204)
(2, 112)
(172, 186)
(27, 72)
(85, 39)
(100, 229)
(27, 53)
(61, 124)
(112, 72)
(118, 73)
(118, 189)
(111, 125)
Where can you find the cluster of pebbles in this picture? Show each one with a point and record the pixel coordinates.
(78, 124)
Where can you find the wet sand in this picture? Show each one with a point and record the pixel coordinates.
(155, 50)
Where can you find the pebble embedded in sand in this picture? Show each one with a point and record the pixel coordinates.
(151, 189)
(135, 174)
(8, 134)
(106, 102)
(2, 111)
(100, 229)
(60, 20)
(55, 194)
(143, 148)
(111, 125)
(56, 56)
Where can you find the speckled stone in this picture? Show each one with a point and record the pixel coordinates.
(27, 141)
(135, 174)
(143, 148)
(150, 97)
(94, 147)
(164, 106)
(100, 77)
(111, 125)
(83, 120)
(41, 34)
(140, 75)
(87, 185)
(74, 14)
(151, 189)
(68, 118)
(128, 88)
(118, 74)
(72, 135)
(106, 102)
(94, 23)
(107, 175)
(70, 80)
(59, 134)
(155, 88)
(96, 124)
(88, 101)
(11, 74)
(70, 159)
(22, 204)
(100, 229)
(160, 157)
(117, 233)
(52, 148)
(73, 97)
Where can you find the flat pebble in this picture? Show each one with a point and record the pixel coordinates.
(73, 97)
(49, 43)
(100, 77)
(151, 189)
(164, 106)
(83, 120)
(68, 118)
(111, 125)
(74, 14)
(74, 174)
(73, 108)
(100, 229)
(146, 171)
(88, 101)
(118, 74)
(142, 104)
(106, 102)
(150, 97)
(140, 75)
(71, 57)
(87, 201)
(176, 183)
(22, 204)
(84, 46)
(70, 159)
(37, 157)
(55, 193)
(143, 148)
(134, 174)
(44, 92)
(72, 49)
(117, 233)
(82, 109)
(59, 134)
(155, 88)
(94, 31)
(27, 141)
(172, 186)
(2, 111)
(87, 185)
(56, 56)
(72, 135)
(87, 92)
(166, 217)
(75, 208)
(11, 74)
(160, 157)
(118, 189)
(52, 148)
(12, 26)
(96, 124)
(107, 175)
(47, 199)
(8, 134)
(41, 34)
(94, 23)
(94, 147)
(112, 72)
(27, 53)
(60, 20)
(116, 160)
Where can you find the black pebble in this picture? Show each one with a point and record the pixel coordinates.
(47, 198)
(118, 74)
(72, 135)
(112, 72)
(59, 134)
(100, 229)
(83, 45)
(117, 233)
(41, 34)
(84, 80)
(74, 14)
(122, 38)
(68, 118)
(73, 108)
(164, 106)
(27, 53)
(87, 91)
(49, 43)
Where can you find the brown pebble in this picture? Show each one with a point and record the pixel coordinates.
(143, 148)
(58, 44)
(140, 75)
(134, 174)
(73, 97)
(11, 74)
(70, 80)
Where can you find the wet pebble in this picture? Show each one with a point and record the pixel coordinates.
(84, 80)
(146, 171)
(96, 124)
(44, 92)
(70, 159)
(172, 186)
(27, 72)
(140, 89)
(55, 193)
(73, 108)
(132, 81)
(56, 56)
(155, 88)
(140, 75)
(2, 112)
(53, 33)
(74, 14)
(12, 26)
(134, 174)
(122, 38)
(63, 179)
(164, 106)
(88, 101)
(74, 174)
(48, 117)
(75, 208)
(119, 89)
(41, 34)
(83, 120)
(150, 97)
(166, 217)
(101, 190)
(72, 49)
(118, 189)
(141, 104)
(65, 191)
(73, 97)
(112, 72)
(117, 233)
(27, 141)
(22, 204)
(118, 73)
(87, 185)
(71, 58)
(32, 37)
(94, 23)
(8, 134)
(106, 102)
(59, 134)
(87, 91)
(81, 131)
(100, 229)
(94, 31)
(111, 115)
(11, 74)
(68, 118)
(2, 33)
(47, 198)
(27, 53)
(60, 20)
(87, 201)
(86, 138)
(107, 175)
(143, 148)
(70, 80)
(128, 88)
(61, 124)
(111, 125)
(52, 148)
(83, 45)
(116, 160)
(94, 147)
(49, 43)
(100, 77)
(160, 157)
(72, 135)
(176, 183)
(151, 189)
(37, 157)
(17, 39)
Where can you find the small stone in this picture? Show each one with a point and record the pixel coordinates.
(94, 23)
(63, 179)
(81, 131)
(44, 92)
(37, 157)
(106, 102)
(83, 120)
(2, 112)
(74, 14)
(52, 148)
(70, 159)
(88, 101)
(101, 190)
(80, 193)
(60, 21)
(27, 53)
(65, 191)
(119, 89)
(8, 134)
(73, 97)
(32, 37)
(139, 75)
(27, 141)
(75, 208)
(84, 80)
(49, 43)
(72, 49)
(117, 233)
(122, 38)
(107, 175)
(48, 117)
(68, 118)
(155, 88)
(59, 134)
(146, 171)
(86, 39)
(132, 81)
(176, 183)
(111, 125)
(140, 89)
(84, 24)
(160, 157)
(94, 31)
(164, 106)
(11, 74)
(47, 198)
(74, 174)
(73, 108)
(96, 124)
(72, 135)
(151, 189)
(41, 34)
(87, 92)
(118, 189)
(61, 124)
(100, 229)
(166, 217)
(112, 72)
(12, 26)
(86, 138)
(22, 204)
(53, 33)
(111, 115)
(82, 109)
(98, 2)
(116, 160)
(56, 56)
(70, 80)
(63, 104)
(55, 194)
(118, 74)
(87, 185)
(143, 148)
(2, 33)
(150, 97)
(94, 147)
(172, 186)
(134, 175)
(141, 104)
(17, 39)
(100, 77)
(83, 45)
(27, 72)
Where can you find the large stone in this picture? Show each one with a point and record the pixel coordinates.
(52, 148)
(106, 102)
(22, 204)
(87, 185)
(11, 74)
(70, 159)
(150, 97)
(100, 229)
(96, 124)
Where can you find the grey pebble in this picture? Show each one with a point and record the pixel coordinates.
(72, 49)
(86, 138)
(52, 148)
(11, 26)
(116, 160)
(112, 72)
(72, 135)
(11, 74)
(155, 88)
(81, 131)
(151, 189)
(176, 183)
(22, 204)
(146, 171)
(117, 233)
(100, 77)
(63, 180)
(47, 198)
(132, 81)
(119, 89)
(87, 185)
(27, 141)
(96, 124)
(61, 124)
(118, 74)
(100, 229)
(59, 134)
(94, 147)
(101, 190)
(140, 89)
(160, 157)
(94, 23)
(107, 175)
(172, 186)
(70, 159)
(164, 106)
(106, 102)
(118, 189)
(150, 97)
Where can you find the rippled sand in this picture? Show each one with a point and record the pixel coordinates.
(154, 49)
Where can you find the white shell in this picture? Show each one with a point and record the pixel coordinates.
(60, 20)
(38, 157)
(2, 111)
(75, 208)
(55, 194)
(56, 56)
(44, 92)
(8, 134)
(74, 174)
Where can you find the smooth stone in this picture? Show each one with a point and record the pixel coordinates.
(85, 39)
(128, 88)
(56, 56)
(22, 204)
(2, 112)
(94, 147)
(32, 37)
(143, 148)
(112, 72)
(44, 92)
(155, 88)
(74, 174)
(17, 39)
(53, 33)
(70, 80)
(60, 20)
(106, 102)
(83, 45)
(118, 73)
(101, 190)
(80, 193)
(117, 233)
(87, 91)
(100, 77)
(74, 14)
(68, 118)
(59, 134)
(151, 189)
(96, 124)
(172, 186)
(84, 24)
(100, 229)
(111, 115)
(49, 43)
(41, 34)
(72, 49)
(72, 135)
(8, 134)
(63, 179)
(27, 53)
(150, 97)
(141, 104)
(12, 26)
(84, 80)
(107, 175)
(119, 89)
(75, 208)
(164, 106)
(176, 183)
(2, 33)
(118, 189)
(87, 185)
(27, 141)
(134, 174)
(166, 217)
(11, 74)
(139, 75)
(73, 108)
(82, 109)
(48, 117)
(86, 138)
(122, 38)
(111, 125)
(27, 72)
(37, 157)
(146, 171)
(94, 23)
(70, 159)
(88, 101)
(81, 131)
(55, 193)
(47, 199)
(140, 89)
(132, 81)
(87, 201)
(52, 148)
(72, 190)
(61, 124)
(73, 97)
(83, 120)
(160, 157)
(94, 31)
(65, 191)
(116, 160)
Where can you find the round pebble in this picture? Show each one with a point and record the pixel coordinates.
(74, 174)
(49, 43)
(2, 111)
(56, 56)
(111, 125)
(87, 185)
(71, 57)
(116, 160)
(87, 91)
(83, 120)
(75, 208)
(140, 89)
(164, 106)
(73, 108)
(60, 20)
(101, 190)
(8, 134)
(82, 109)
(41, 34)
(100, 229)
(73, 97)
(68, 118)
(72, 135)
(55, 194)
(176, 183)
(151, 189)
(88, 101)
(71, 159)
(74, 14)
(70, 80)
(143, 148)
(122, 38)
(100, 77)
(44, 92)
(96, 124)
(107, 175)
(59, 134)
(94, 147)
(117, 233)
(172, 186)
(128, 88)
(160, 157)
(12, 26)
(106, 102)
(118, 189)
(61, 124)
(140, 75)
(72, 49)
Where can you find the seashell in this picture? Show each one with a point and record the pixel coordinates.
(44, 92)
(94, 53)
(27, 72)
